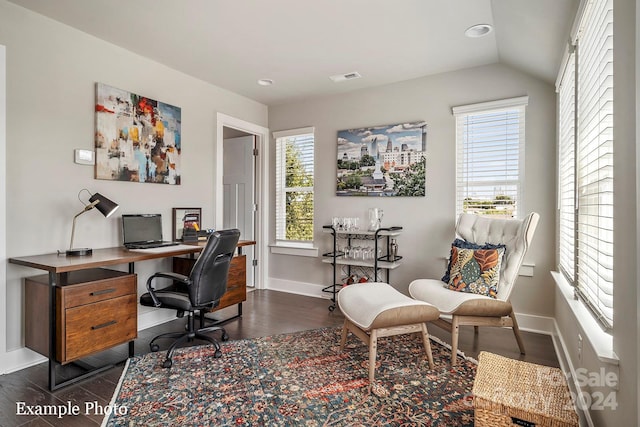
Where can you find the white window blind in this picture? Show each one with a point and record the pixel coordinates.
(594, 154)
(566, 170)
(490, 157)
(294, 185)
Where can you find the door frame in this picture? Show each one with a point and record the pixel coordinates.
(261, 188)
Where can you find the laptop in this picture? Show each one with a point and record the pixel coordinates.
(143, 231)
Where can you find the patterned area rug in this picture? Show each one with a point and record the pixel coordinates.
(298, 379)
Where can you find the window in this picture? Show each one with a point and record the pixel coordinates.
(567, 170)
(294, 186)
(585, 170)
(490, 157)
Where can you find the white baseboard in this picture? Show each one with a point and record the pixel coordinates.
(538, 324)
(569, 371)
(21, 358)
(295, 287)
(154, 317)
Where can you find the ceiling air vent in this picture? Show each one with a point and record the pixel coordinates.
(343, 77)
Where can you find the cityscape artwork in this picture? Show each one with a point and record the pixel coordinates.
(382, 160)
(137, 138)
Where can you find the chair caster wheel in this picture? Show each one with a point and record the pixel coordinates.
(332, 307)
(217, 354)
(167, 363)
(225, 337)
(154, 347)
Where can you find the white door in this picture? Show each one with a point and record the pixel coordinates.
(238, 185)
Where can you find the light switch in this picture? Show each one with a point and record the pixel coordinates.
(84, 157)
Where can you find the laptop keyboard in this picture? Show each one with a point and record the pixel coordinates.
(150, 245)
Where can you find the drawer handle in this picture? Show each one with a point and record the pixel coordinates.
(104, 325)
(102, 292)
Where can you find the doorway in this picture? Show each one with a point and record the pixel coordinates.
(238, 182)
(242, 189)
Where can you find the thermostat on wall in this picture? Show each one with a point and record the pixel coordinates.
(84, 157)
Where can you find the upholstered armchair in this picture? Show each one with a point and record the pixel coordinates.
(468, 308)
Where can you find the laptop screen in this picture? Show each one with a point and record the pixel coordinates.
(141, 228)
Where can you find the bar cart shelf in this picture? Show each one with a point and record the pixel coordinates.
(377, 267)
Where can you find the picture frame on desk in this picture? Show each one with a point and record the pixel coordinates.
(182, 216)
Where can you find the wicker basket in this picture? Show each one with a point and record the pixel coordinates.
(510, 393)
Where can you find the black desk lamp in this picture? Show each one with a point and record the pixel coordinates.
(104, 205)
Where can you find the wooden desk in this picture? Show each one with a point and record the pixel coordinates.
(70, 277)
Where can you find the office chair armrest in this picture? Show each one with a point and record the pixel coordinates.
(173, 276)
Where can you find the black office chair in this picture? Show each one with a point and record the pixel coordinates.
(200, 291)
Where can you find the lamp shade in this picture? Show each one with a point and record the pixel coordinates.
(105, 206)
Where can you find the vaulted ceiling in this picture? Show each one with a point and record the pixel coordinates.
(300, 43)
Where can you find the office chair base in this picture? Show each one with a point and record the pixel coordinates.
(188, 337)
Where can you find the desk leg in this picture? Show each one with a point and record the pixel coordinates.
(52, 330)
(217, 322)
(132, 343)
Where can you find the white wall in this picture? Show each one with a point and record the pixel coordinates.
(428, 221)
(625, 251)
(51, 74)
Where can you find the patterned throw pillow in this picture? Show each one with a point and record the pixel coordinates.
(461, 243)
(476, 271)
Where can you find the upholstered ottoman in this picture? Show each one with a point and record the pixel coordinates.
(375, 310)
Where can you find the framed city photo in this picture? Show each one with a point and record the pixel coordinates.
(388, 160)
(185, 218)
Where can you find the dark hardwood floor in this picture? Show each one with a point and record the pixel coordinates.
(264, 313)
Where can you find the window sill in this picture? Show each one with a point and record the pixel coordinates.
(293, 249)
(601, 342)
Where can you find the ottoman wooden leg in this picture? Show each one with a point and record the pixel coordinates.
(373, 346)
(516, 331)
(427, 344)
(343, 338)
(455, 331)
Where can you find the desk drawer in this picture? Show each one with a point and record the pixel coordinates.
(91, 295)
(99, 290)
(96, 327)
(237, 277)
(236, 283)
(231, 297)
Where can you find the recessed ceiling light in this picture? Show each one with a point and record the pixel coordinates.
(478, 30)
(265, 82)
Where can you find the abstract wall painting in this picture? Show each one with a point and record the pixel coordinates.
(137, 138)
(387, 160)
